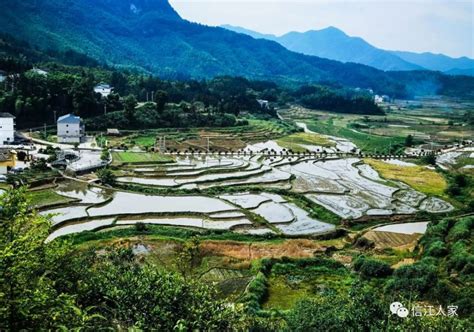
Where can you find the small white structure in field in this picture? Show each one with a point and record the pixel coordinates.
(7, 128)
(39, 71)
(381, 99)
(103, 89)
(70, 129)
(113, 132)
(263, 103)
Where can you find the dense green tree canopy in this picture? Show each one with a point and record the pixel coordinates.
(51, 286)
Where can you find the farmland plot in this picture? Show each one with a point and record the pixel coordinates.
(288, 218)
(312, 188)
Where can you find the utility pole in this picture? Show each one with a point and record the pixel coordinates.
(208, 144)
(152, 96)
(147, 97)
(45, 130)
(105, 108)
(162, 144)
(54, 116)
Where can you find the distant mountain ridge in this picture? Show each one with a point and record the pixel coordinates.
(334, 44)
(440, 62)
(150, 36)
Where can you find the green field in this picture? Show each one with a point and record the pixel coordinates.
(441, 122)
(294, 141)
(221, 139)
(366, 142)
(139, 157)
(288, 283)
(418, 177)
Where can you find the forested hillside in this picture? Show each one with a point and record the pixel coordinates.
(36, 99)
(148, 35)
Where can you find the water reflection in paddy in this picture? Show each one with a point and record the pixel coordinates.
(409, 228)
(130, 203)
(81, 191)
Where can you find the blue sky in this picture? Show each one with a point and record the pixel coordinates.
(438, 26)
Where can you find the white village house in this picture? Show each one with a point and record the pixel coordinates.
(70, 129)
(7, 128)
(39, 71)
(103, 89)
(381, 99)
(263, 103)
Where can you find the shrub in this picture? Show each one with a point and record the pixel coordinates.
(459, 256)
(141, 227)
(437, 249)
(256, 293)
(369, 267)
(429, 159)
(468, 269)
(419, 278)
(454, 190)
(460, 180)
(461, 230)
(106, 176)
(364, 243)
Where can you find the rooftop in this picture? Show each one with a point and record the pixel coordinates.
(6, 115)
(102, 86)
(69, 118)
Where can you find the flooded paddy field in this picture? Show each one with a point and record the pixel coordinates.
(210, 192)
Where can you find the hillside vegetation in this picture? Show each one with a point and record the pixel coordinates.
(151, 37)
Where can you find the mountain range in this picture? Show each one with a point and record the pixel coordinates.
(151, 37)
(333, 43)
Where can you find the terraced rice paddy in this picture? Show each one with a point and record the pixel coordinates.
(348, 188)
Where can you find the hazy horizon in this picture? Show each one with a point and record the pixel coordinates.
(436, 26)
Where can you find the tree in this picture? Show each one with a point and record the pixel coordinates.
(189, 257)
(362, 310)
(429, 159)
(105, 155)
(369, 267)
(50, 285)
(106, 176)
(161, 98)
(461, 180)
(129, 104)
(409, 141)
(28, 297)
(140, 296)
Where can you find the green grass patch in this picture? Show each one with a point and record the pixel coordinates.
(418, 177)
(139, 157)
(366, 142)
(289, 282)
(4, 186)
(294, 141)
(167, 232)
